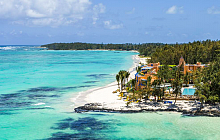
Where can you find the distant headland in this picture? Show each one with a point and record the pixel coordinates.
(197, 51)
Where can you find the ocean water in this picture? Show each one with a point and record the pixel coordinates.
(35, 90)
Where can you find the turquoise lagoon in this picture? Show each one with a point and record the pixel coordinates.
(35, 90)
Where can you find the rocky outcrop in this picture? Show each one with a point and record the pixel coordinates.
(191, 110)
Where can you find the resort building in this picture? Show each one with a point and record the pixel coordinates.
(146, 71)
(151, 69)
(190, 67)
(155, 66)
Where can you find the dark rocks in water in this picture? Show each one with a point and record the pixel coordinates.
(15, 104)
(5, 97)
(82, 128)
(87, 123)
(41, 89)
(61, 126)
(85, 86)
(40, 96)
(82, 124)
(76, 136)
(6, 113)
(89, 107)
(209, 113)
(56, 96)
(97, 76)
(68, 119)
(93, 104)
(97, 107)
(61, 136)
(20, 98)
(66, 88)
(91, 81)
(39, 108)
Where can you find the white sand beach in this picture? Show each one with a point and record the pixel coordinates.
(108, 100)
(104, 94)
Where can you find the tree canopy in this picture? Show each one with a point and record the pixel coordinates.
(197, 51)
(145, 49)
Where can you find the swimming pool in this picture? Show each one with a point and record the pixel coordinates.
(189, 91)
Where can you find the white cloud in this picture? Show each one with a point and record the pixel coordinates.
(170, 33)
(175, 10)
(172, 10)
(44, 21)
(132, 11)
(97, 9)
(207, 35)
(184, 35)
(108, 24)
(100, 8)
(34, 14)
(49, 12)
(80, 34)
(13, 32)
(49, 35)
(213, 10)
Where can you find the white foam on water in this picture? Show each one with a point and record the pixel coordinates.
(39, 104)
(7, 48)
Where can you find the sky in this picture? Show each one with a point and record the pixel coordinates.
(38, 22)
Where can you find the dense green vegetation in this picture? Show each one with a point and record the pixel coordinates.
(145, 49)
(199, 51)
(207, 80)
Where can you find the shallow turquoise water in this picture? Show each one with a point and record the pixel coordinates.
(189, 91)
(35, 86)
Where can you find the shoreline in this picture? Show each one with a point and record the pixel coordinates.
(95, 94)
(101, 99)
(208, 111)
(90, 49)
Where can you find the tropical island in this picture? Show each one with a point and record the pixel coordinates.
(158, 80)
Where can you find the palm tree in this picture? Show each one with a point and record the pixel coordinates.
(127, 74)
(156, 89)
(148, 87)
(200, 93)
(118, 79)
(164, 74)
(138, 69)
(186, 78)
(146, 91)
(124, 74)
(121, 76)
(177, 83)
(133, 82)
